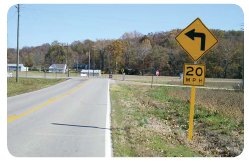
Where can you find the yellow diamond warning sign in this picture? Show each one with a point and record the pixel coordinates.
(194, 74)
(196, 39)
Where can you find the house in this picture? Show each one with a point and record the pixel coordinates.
(12, 67)
(58, 68)
(91, 72)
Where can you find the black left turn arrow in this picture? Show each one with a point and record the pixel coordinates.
(192, 34)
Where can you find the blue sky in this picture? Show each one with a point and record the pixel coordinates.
(67, 23)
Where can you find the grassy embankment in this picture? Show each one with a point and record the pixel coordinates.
(154, 121)
(28, 84)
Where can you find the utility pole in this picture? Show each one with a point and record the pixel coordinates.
(67, 62)
(109, 63)
(93, 64)
(152, 75)
(89, 59)
(17, 48)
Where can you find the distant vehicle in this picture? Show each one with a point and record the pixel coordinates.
(59, 68)
(91, 72)
(83, 75)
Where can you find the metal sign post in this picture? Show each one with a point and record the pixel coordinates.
(191, 113)
(196, 40)
(123, 74)
(152, 76)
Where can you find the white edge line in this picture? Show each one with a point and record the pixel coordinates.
(108, 142)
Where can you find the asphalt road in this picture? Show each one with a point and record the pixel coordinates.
(65, 120)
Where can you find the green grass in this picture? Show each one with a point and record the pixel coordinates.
(47, 74)
(25, 85)
(123, 150)
(154, 122)
(180, 108)
(160, 145)
(130, 134)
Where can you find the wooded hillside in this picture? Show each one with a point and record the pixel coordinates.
(139, 54)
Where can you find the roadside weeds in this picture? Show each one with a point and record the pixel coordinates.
(153, 122)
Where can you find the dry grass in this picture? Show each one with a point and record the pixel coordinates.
(174, 80)
(137, 133)
(228, 103)
(153, 122)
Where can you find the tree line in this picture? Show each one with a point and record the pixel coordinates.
(139, 54)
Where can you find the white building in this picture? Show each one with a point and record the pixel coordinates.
(12, 67)
(91, 72)
(59, 68)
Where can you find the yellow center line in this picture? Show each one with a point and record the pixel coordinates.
(14, 117)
